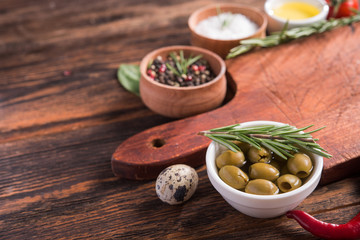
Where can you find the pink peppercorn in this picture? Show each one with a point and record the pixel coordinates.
(162, 68)
(202, 68)
(188, 78)
(151, 73)
(195, 68)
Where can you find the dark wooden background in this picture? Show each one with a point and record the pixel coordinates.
(63, 113)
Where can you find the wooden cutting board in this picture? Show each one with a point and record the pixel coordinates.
(308, 81)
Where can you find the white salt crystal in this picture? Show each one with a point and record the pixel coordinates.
(237, 26)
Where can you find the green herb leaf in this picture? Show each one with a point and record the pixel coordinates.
(233, 147)
(129, 77)
(287, 35)
(282, 140)
(192, 60)
(181, 63)
(173, 70)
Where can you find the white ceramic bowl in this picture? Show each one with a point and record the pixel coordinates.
(261, 206)
(276, 23)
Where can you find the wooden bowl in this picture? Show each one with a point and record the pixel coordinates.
(222, 47)
(179, 102)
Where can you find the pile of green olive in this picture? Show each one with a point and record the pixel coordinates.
(259, 171)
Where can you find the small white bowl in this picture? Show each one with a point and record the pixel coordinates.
(276, 23)
(261, 206)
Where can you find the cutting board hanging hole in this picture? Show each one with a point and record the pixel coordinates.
(157, 143)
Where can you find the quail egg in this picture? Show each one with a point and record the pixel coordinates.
(176, 184)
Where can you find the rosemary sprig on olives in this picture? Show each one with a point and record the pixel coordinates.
(284, 141)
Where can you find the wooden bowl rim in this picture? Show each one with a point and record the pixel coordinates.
(261, 28)
(144, 63)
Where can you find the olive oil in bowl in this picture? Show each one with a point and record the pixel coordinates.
(296, 11)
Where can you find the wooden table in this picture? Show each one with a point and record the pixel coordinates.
(63, 113)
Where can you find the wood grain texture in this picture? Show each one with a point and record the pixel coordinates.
(58, 130)
(301, 83)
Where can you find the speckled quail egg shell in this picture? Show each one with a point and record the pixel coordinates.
(176, 184)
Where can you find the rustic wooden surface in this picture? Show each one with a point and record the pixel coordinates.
(300, 83)
(63, 113)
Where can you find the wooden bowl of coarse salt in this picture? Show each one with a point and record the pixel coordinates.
(220, 27)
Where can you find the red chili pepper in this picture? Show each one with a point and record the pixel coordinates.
(350, 230)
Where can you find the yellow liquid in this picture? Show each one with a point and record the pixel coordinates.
(296, 11)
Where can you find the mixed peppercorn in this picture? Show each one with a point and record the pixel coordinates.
(178, 71)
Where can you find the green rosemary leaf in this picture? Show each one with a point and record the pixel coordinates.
(323, 154)
(182, 63)
(246, 139)
(320, 148)
(282, 145)
(241, 49)
(256, 129)
(305, 135)
(233, 147)
(193, 60)
(274, 149)
(173, 56)
(287, 35)
(225, 136)
(316, 130)
(293, 130)
(282, 33)
(129, 77)
(293, 140)
(172, 69)
(177, 63)
(282, 140)
(150, 63)
(224, 128)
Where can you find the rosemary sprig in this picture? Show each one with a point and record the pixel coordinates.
(227, 19)
(287, 35)
(282, 140)
(181, 63)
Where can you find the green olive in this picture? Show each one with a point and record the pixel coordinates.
(243, 146)
(229, 157)
(288, 182)
(259, 155)
(233, 176)
(263, 171)
(261, 187)
(276, 164)
(300, 165)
